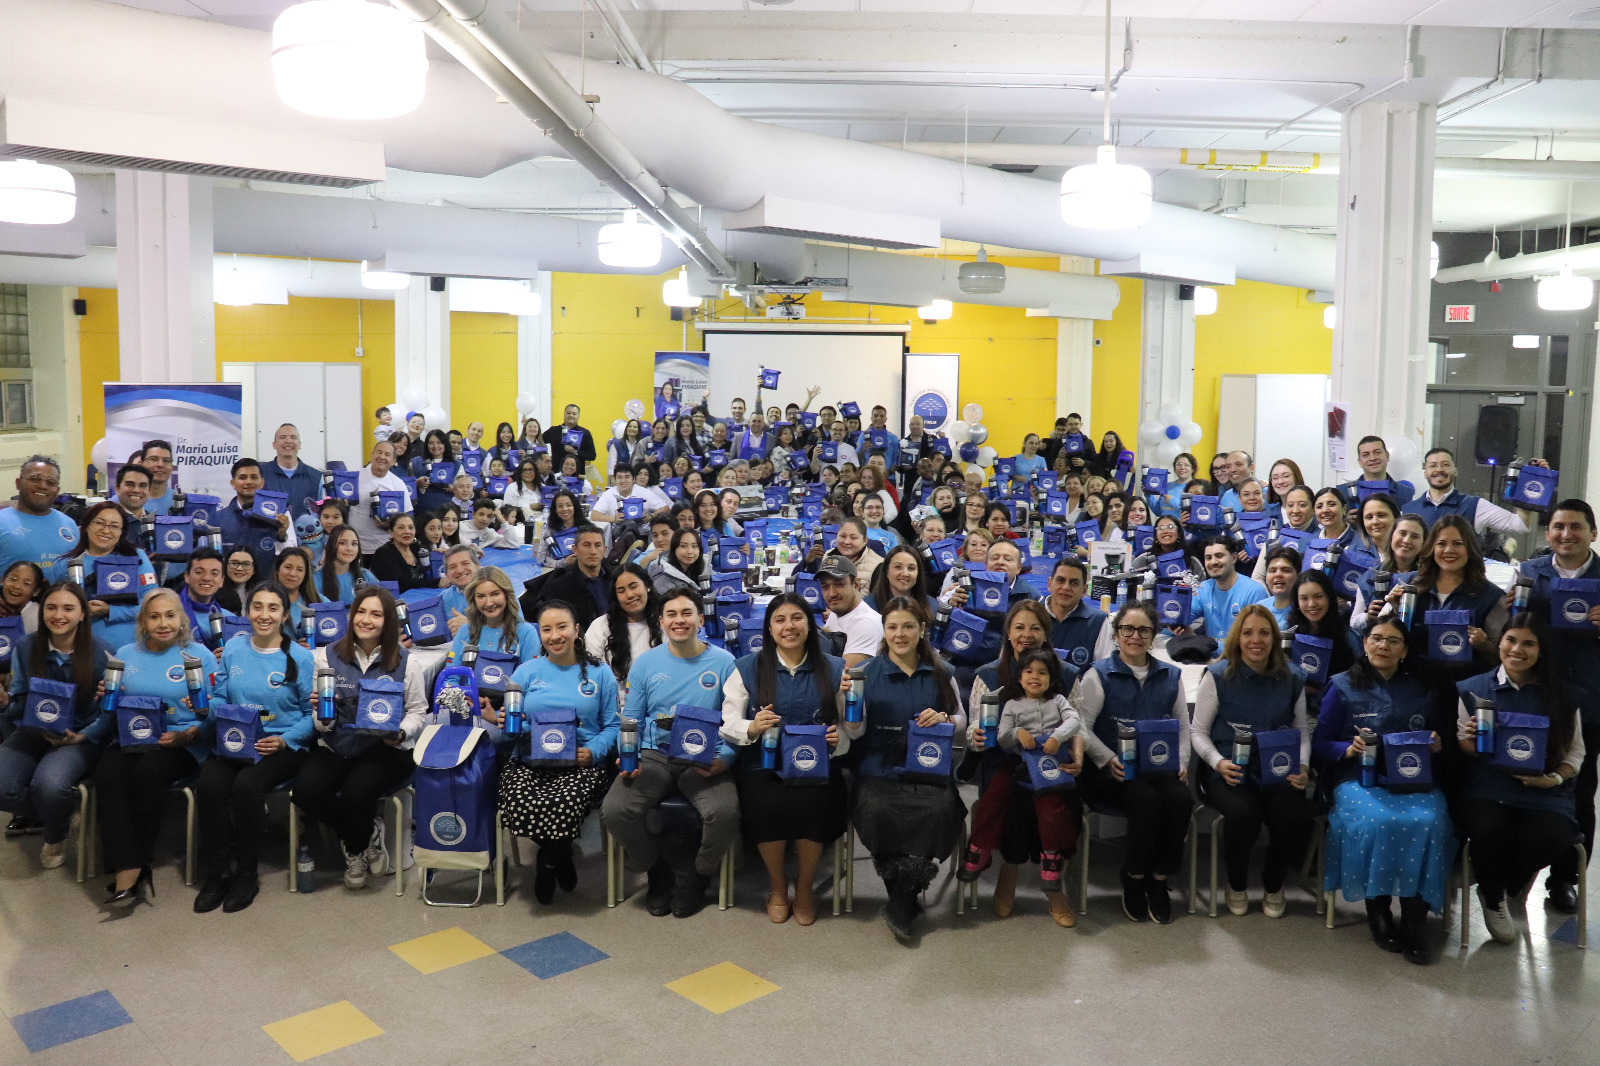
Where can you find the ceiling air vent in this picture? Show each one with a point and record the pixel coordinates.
(172, 166)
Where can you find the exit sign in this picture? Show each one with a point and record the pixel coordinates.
(1460, 312)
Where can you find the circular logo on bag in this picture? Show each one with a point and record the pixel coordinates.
(1281, 764)
(427, 622)
(1160, 752)
(694, 741)
(493, 675)
(708, 680)
(754, 642)
(448, 828)
(934, 407)
(328, 627)
(1532, 489)
(275, 679)
(1574, 610)
(379, 710)
(140, 727)
(1350, 583)
(1452, 643)
(175, 673)
(1171, 609)
(5, 645)
(173, 539)
(1310, 663)
(552, 740)
(201, 515)
(1519, 746)
(1049, 769)
(1317, 559)
(961, 640)
(47, 710)
(269, 508)
(991, 597)
(1409, 764)
(233, 739)
(929, 754)
(1418, 722)
(587, 688)
(804, 758)
(116, 580)
(811, 595)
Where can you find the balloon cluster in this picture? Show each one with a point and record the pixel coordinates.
(1166, 435)
(967, 435)
(630, 410)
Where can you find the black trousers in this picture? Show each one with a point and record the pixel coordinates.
(130, 795)
(1157, 809)
(1509, 845)
(1245, 809)
(232, 801)
(343, 793)
(1565, 869)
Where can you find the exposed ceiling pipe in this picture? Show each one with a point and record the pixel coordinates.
(1580, 259)
(629, 50)
(524, 76)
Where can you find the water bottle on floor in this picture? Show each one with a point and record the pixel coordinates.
(305, 870)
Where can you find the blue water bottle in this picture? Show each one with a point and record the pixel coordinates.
(113, 683)
(516, 723)
(194, 676)
(305, 870)
(1483, 714)
(1243, 737)
(989, 718)
(855, 699)
(326, 711)
(1369, 759)
(769, 748)
(1128, 750)
(628, 746)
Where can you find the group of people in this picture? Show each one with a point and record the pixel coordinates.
(936, 629)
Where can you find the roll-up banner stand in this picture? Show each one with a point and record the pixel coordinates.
(931, 387)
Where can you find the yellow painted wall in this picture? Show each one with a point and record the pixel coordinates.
(483, 371)
(605, 331)
(97, 360)
(1115, 392)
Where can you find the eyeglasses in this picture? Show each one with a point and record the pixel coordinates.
(42, 479)
(1387, 642)
(1143, 632)
(106, 527)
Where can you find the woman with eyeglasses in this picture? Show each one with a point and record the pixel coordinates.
(1113, 695)
(238, 578)
(114, 596)
(1382, 843)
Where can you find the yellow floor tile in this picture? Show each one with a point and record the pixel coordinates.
(442, 950)
(317, 1032)
(722, 987)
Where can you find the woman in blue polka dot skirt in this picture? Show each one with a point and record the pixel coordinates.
(1381, 842)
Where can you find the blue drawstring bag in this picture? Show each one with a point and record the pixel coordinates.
(673, 487)
(330, 619)
(1312, 655)
(775, 497)
(1174, 604)
(725, 585)
(1447, 636)
(426, 622)
(201, 508)
(1004, 469)
(1571, 600)
(829, 534)
(1365, 488)
(808, 419)
(237, 730)
(410, 484)
(1047, 480)
(694, 734)
(850, 409)
(963, 635)
(50, 705)
(1520, 741)
(1144, 539)
(1533, 489)
(755, 534)
(346, 485)
(392, 503)
(1172, 564)
(1158, 746)
(1277, 758)
(140, 722)
(769, 378)
(1316, 550)
(1205, 512)
(1155, 481)
(1056, 505)
(1056, 540)
(633, 508)
(234, 625)
(268, 505)
(717, 457)
(991, 592)
(803, 755)
(1072, 444)
(1255, 527)
(928, 751)
(808, 589)
(941, 445)
(553, 738)
(174, 538)
(945, 553)
(1408, 761)
(732, 554)
(878, 439)
(493, 669)
(1353, 563)
(472, 462)
(498, 485)
(436, 565)
(561, 544)
(798, 461)
(116, 579)
(380, 706)
(1298, 539)
(572, 438)
(1044, 771)
(10, 633)
(1088, 531)
(830, 452)
(811, 510)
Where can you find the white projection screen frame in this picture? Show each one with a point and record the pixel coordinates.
(868, 368)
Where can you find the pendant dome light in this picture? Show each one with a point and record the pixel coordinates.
(1565, 292)
(1205, 300)
(675, 291)
(982, 278)
(936, 310)
(348, 59)
(36, 194)
(1106, 194)
(630, 243)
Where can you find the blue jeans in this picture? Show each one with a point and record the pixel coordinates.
(39, 781)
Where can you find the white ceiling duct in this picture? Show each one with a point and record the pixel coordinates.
(1580, 259)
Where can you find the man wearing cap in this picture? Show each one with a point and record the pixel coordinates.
(861, 625)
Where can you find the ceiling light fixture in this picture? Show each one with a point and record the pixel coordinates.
(383, 280)
(348, 59)
(982, 278)
(675, 291)
(35, 194)
(1433, 260)
(1205, 300)
(630, 243)
(1330, 315)
(936, 310)
(1106, 194)
(1525, 340)
(494, 296)
(1566, 292)
(1455, 355)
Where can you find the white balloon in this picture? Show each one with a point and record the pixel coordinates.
(960, 432)
(979, 433)
(1405, 461)
(633, 408)
(972, 413)
(1164, 454)
(1189, 435)
(526, 404)
(1171, 414)
(435, 418)
(972, 467)
(1151, 431)
(618, 428)
(414, 399)
(987, 456)
(100, 454)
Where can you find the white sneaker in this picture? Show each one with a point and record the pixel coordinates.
(1501, 926)
(1273, 905)
(355, 870)
(52, 855)
(377, 854)
(1238, 902)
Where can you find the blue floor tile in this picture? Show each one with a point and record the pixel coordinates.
(554, 955)
(74, 1019)
(1568, 932)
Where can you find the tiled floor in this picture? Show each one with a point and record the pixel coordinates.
(337, 977)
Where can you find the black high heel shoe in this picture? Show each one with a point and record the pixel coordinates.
(1380, 921)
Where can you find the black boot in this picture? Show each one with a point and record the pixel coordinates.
(1380, 920)
(658, 896)
(214, 891)
(544, 876)
(1414, 930)
(561, 862)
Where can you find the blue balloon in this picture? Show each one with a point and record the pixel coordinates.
(969, 453)
(1173, 432)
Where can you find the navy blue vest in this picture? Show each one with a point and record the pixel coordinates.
(1078, 633)
(1128, 699)
(1577, 651)
(346, 687)
(893, 700)
(795, 699)
(1455, 503)
(1259, 701)
(1399, 705)
(1496, 783)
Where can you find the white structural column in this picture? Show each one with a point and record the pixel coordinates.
(534, 333)
(422, 342)
(1380, 338)
(1166, 352)
(1075, 354)
(166, 322)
